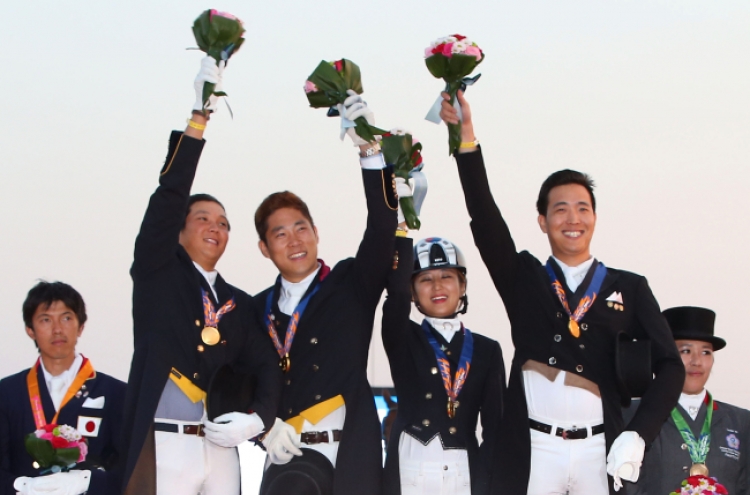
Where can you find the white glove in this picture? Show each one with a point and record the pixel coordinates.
(403, 190)
(282, 443)
(625, 458)
(231, 429)
(212, 73)
(354, 107)
(74, 482)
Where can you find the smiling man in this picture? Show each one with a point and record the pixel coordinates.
(61, 388)
(562, 428)
(189, 324)
(678, 451)
(327, 435)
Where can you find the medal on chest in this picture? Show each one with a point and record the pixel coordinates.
(452, 386)
(586, 302)
(210, 334)
(697, 448)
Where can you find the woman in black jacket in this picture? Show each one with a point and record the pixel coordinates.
(444, 376)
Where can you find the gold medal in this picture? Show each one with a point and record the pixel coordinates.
(285, 363)
(210, 335)
(452, 408)
(573, 327)
(698, 469)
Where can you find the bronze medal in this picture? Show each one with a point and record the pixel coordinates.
(573, 327)
(698, 469)
(210, 335)
(452, 408)
(285, 363)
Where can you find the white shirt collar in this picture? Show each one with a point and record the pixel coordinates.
(692, 403)
(447, 327)
(210, 278)
(574, 275)
(292, 292)
(58, 385)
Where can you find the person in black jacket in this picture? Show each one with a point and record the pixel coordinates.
(670, 458)
(445, 377)
(320, 320)
(62, 388)
(188, 323)
(562, 429)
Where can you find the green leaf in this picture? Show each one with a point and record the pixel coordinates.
(460, 66)
(66, 457)
(39, 450)
(437, 65)
(410, 214)
(352, 76)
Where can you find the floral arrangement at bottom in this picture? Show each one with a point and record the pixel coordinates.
(404, 152)
(327, 87)
(56, 448)
(700, 485)
(452, 59)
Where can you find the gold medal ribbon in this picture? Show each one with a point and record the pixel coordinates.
(32, 383)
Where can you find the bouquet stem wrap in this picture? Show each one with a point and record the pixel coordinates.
(452, 59)
(405, 154)
(326, 87)
(219, 34)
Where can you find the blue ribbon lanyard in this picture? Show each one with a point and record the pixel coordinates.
(586, 302)
(452, 387)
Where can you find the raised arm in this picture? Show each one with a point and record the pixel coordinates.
(165, 215)
(397, 306)
(491, 234)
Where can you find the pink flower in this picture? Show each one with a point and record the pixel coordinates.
(474, 50)
(310, 87)
(448, 49)
(84, 451)
(47, 436)
(428, 52)
(222, 14)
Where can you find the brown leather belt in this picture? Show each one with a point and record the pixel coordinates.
(186, 429)
(313, 437)
(575, 434)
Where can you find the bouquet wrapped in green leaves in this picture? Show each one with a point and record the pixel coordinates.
(452, 59)
(56, 448)
(327, 88)
(404, 152)
(219, 34)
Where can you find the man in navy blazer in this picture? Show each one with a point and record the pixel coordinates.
(70, 392)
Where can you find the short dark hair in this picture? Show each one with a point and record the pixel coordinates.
(194, 198)
(46, 293)
(562, 178)
(277, 201)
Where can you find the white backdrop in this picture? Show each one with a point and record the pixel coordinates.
(651, 98)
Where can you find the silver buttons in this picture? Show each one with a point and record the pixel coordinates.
(317, 397)
(196, 376)
(683, 446)
(314, 340)
(558, 337)
(425, 422)
(315, 367)
(428, 396)
(582, 346)
(552, 360)
(433, 370)
(288, 382)
(445, 468)
(559, 314)
(452, 430)
(289, 410)
(584, 326)
(579, 368)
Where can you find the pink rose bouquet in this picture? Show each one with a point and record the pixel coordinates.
(56, 448)
(700, 485)
(326, 87)
(452, 59)
(404, 152)
(219, 34)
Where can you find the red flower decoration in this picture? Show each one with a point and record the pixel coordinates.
(48, 428)
(59, 442)
(459, 37)
(338, 65)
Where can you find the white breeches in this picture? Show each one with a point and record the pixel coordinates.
(191, 465)
(430, 470)
(567, 467)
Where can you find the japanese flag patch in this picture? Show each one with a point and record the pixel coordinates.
(88, 426)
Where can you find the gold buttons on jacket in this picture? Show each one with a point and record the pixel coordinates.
(552, 360)
(200, 348)
(428, 396)
(433, 370)
(452, 430)
(426, 422)
(579, 368)
(197, 323)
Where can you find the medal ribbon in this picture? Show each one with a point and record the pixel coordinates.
(452, 388)
(211, 316)
(32, 383)
(698, 449)
(291, 329)
(588, 297)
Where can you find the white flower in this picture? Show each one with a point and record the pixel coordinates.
(399, 131)
(69, 433)
(458, 47)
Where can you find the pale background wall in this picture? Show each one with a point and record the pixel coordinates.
(651, 98)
